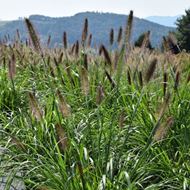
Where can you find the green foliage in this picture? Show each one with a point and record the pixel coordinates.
(183, 31)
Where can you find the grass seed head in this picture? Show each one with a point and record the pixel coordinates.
(106, 54)
(162, 130)
(151, 70)
(111, 37)
(165, 83)
(177, 77)
(119, 37)
(61, 137)
(49, 40)
(122, 119)
(129, 77)
(140, 78)
(63, 106)
(35, 108)
(100, 94)
(33, 36)
(128, 30)
(89, 40)
(77, 48)
(65, 40)
(112, 82)
(85, 31)
(84, 81)
(12, 67)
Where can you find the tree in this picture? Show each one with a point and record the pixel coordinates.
(183, 31)
(144, 41)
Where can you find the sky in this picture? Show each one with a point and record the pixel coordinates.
(13, 9)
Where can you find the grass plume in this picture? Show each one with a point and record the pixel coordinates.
(61, 137)
(33, 36)
(162, 130)
(85, 31)
(63, 106)
(151, 69)
(35, 108)
(84, 81)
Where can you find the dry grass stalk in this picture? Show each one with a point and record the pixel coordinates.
(77, 48)
(119, 37)
(122, 119)
(60, 58)
(68, 70)
(165, 44)
(85, 61)
(100, 94)
(129, 77)
(151, 70)
(18, 143)
(116, 59)
(81, 173)
(162, 130)
(165, 83)
(63, 106)
(140, 79)
(18, 34)
(73, 48)
(65, 40)
(12, 67)
(164, 106)
(111, 36)
(49, 40)
(112, 82)
(128, 29)
(52, 72)
(146, 40)
(106, 54)
(35, 108)
(177, 77)
(61, 138)
(89, 40)
(33, 36)
(84, 81)
(85, 31)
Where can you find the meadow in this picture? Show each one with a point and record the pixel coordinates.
(88, 118)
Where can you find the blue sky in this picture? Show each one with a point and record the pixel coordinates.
(12, 9)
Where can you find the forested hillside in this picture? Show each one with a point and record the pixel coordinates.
(99, 25)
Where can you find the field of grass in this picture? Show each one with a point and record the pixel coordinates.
(77, 118)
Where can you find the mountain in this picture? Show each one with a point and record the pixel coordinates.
(164, 20)
(3, 22)
(99, 25)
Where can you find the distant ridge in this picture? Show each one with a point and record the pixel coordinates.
(99, 25)
(164, 20)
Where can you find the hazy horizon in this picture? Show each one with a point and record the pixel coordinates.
(60, 8)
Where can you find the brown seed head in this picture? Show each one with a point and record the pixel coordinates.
(65, 40)
(119, 37)
(33, 36)
(63, 106)
(85, 31)
(111, 36)
(61, 137)
(151, 70)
